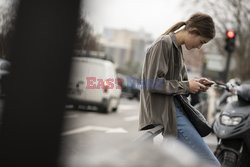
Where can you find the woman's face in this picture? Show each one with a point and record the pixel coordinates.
(195, 41)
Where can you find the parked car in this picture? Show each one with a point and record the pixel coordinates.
(93, 82)
(130, 87)
(4, 72)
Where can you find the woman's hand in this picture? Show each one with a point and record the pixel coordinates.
(195, 86)
(205, 82)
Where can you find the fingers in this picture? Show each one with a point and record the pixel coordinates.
(196, 86)
(202, 86)
(203, 79)
(206, 82)
(199, 87)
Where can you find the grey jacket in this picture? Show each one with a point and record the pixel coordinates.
(163, 76)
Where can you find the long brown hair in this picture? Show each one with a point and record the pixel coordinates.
(203, 24)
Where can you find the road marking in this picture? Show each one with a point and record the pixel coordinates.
(127, 107)
(131, 118)
(117, 130)
(96, 128)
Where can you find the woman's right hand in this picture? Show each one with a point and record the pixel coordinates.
(195, 86)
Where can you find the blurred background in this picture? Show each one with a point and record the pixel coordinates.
(112, 39)
(124, 29)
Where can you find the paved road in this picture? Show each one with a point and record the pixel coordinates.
(88, 133)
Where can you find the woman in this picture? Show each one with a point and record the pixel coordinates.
(164, 75)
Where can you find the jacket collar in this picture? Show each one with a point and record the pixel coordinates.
(173, 38)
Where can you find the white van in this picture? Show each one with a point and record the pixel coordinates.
(88, 83)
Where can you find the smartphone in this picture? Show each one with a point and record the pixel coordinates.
(209, 84)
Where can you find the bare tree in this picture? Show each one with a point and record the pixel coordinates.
(230, 14)
(85, 38)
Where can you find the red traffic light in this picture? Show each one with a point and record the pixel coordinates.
(230, 34)
(230, 40)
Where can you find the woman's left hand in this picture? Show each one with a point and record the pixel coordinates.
(208, 83)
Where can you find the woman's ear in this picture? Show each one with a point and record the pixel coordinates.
(194, 31)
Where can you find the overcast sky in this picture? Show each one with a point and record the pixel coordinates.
(4, 3)
(154, 16)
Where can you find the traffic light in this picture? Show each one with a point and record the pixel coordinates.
(230, 40)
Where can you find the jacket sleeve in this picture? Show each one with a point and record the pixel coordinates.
(158, 66)
(185, 76)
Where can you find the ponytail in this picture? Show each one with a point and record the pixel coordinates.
(175, 27)
(200, 21)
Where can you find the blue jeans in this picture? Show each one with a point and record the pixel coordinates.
(188, 135)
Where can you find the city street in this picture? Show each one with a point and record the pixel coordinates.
(59, 61)
(88, 133)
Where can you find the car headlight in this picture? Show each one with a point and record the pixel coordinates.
(226, 120)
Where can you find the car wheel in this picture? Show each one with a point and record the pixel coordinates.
(130, 97)
(111, 106)
(114, 109)
(106, 108)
